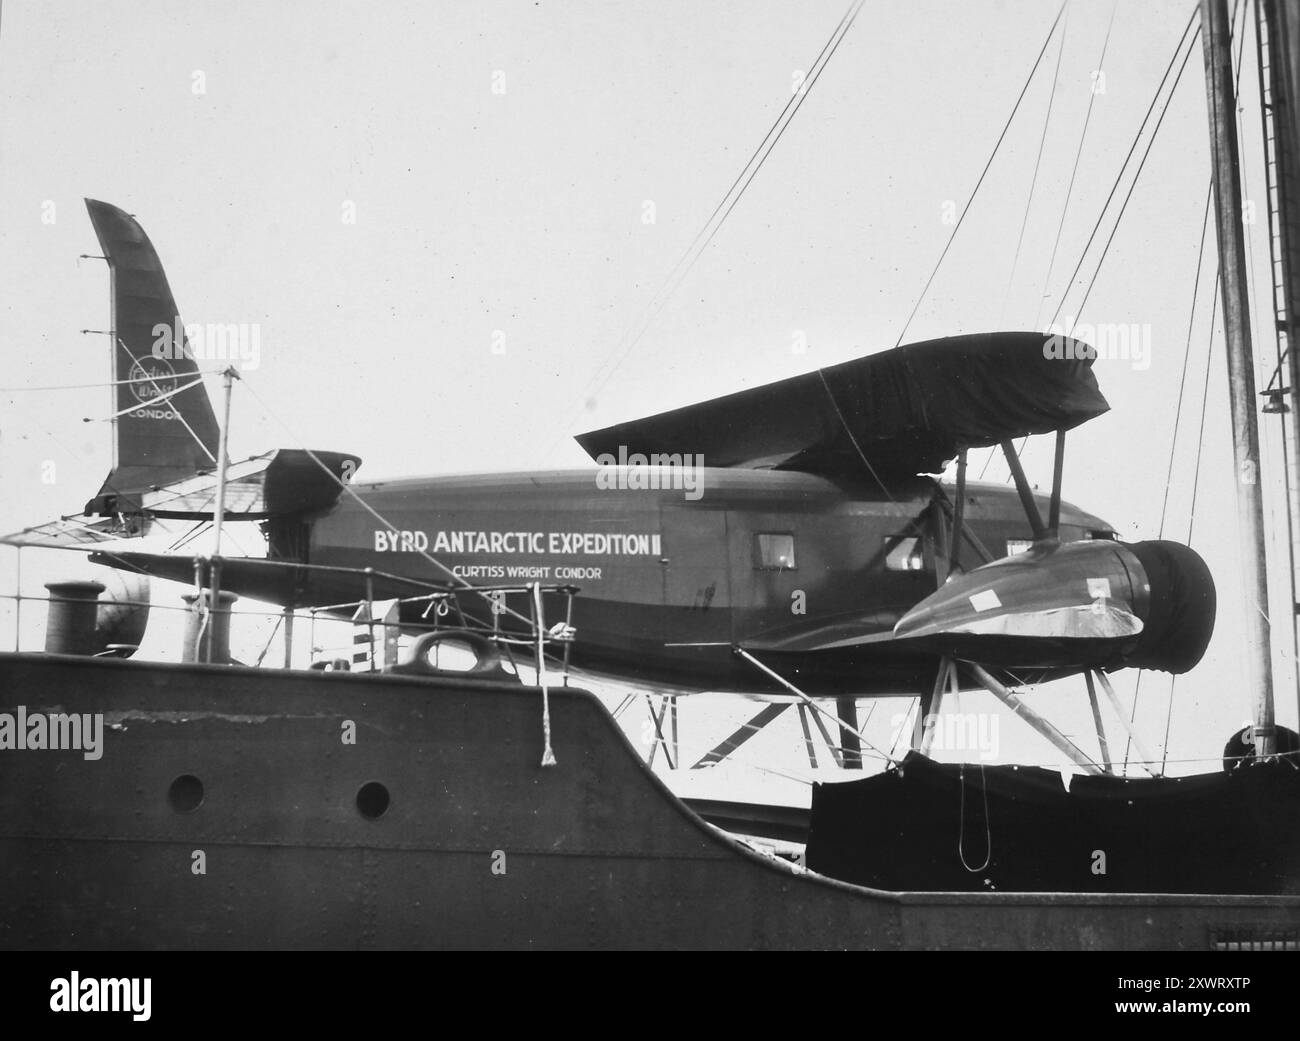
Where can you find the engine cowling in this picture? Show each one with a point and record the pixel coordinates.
(1092, 604)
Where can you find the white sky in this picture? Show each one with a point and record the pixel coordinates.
(522, 212)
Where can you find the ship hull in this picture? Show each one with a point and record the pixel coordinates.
(266, 844)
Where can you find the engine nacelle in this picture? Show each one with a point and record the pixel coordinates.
(1093, 604)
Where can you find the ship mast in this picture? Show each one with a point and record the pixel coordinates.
(1278, 51)
(1222, 106)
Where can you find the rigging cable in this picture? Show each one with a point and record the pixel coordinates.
(1124, 166)
(98, 386)
(1196, 479)
(1187, 354)
(704, 237)
(1137, 176)
(993, 155)
(1078, 155)
(1092, 281)
(1173, 445)
(1209, 191)
(456, 581)
(1038, 161)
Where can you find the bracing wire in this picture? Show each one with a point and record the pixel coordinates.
(1173, 59)
(1074, 171)
(1038, 162)
(709, 230)
(1137, 176)
(983, 173)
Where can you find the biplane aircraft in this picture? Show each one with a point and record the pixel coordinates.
(794, 535)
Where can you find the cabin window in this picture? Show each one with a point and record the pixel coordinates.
(1017, 546)
(774, 551)
(904, 553)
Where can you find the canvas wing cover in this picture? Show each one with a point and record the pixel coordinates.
(907, 411)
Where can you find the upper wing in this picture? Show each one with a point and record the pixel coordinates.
(907, 410)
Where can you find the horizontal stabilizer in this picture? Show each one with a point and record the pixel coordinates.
(73, 533)
(288, 480)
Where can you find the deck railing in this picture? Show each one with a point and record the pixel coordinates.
(530, 621)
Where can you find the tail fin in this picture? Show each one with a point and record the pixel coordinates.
(153, 443)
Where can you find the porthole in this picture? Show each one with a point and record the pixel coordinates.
(372, 800)
(185, 794)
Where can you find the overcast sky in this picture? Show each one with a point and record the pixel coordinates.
(503, 160)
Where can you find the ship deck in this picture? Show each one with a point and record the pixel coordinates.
(237, 808)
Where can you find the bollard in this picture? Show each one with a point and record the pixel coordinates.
(195, 646)
(70, 625)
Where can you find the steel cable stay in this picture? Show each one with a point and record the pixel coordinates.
(1038, 162)
(535, 626)
(1183, 41)
(733, 754)
(811, 703)
(158, 387)
(1173, 442)
(1074, 170)
(146, 403)
(1196, 485)
(1187, 354)
(704, 237)
(99, 386)
(1137, 175)
(1187, 350)
(983, 173)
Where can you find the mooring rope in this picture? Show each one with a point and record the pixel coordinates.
(961, 829)
(548, 756)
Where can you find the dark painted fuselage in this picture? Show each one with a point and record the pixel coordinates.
(670, 580)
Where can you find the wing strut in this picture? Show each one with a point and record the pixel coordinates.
(958, 518)
(1054, 736)
(740, 652)
(1024, 491)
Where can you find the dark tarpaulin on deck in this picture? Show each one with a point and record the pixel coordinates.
(909, 829)
(910, 410)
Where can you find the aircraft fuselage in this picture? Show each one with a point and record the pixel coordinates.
(670, 581)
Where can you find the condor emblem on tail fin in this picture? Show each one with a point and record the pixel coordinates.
(164, 430)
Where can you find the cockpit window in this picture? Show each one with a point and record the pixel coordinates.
(774, 551)
(904, 553)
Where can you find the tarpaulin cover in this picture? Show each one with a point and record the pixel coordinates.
(910, 410)
(910, 829)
